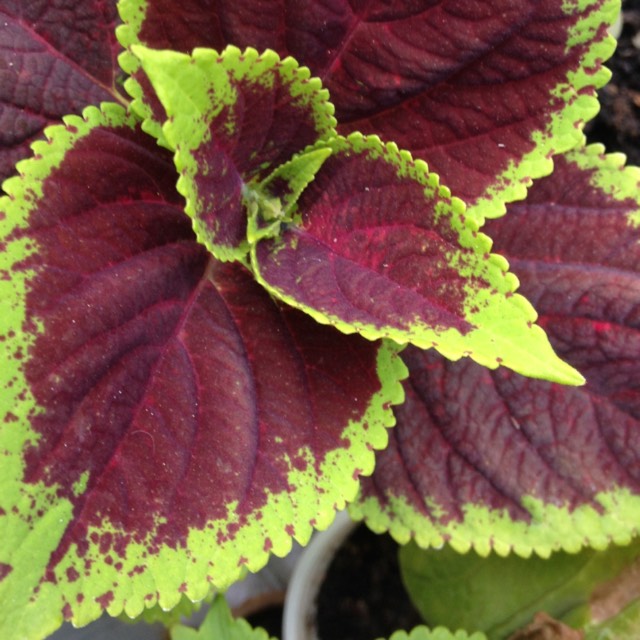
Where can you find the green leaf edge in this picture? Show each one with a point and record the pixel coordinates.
(185, 134)
(26, 545)
(539, 361)
(184, 610)
(565, 128)
(23, 190)
(438, 633)
(552, 527)
(132, 13)
(610, 174)
(219, 624)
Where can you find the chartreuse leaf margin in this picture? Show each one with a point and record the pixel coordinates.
(576, 101)
(33, 518)
(345, 232)
(41, 582)
(602, 332)
(133, 15)
(233, 118)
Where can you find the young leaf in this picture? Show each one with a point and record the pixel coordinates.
(490, 459)
(379, 247)
(290, 179)
(164, 423)
(219, 625)
(233, 118)
(439, 633)
(55, 58)
(488, 594)
(484, 91)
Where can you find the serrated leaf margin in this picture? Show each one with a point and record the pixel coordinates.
(543, 363)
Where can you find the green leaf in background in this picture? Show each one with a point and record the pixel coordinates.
(500, 595)
(440, 633)
(219, 625)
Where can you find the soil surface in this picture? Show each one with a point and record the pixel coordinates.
(362, 597)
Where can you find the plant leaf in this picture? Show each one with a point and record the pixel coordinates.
(488, 594)
(164, 423)
(484, 91)
(492, 460)
(233, 118)
(382, 249)
(439, 633)
(290, 179)
(55, 59)
(271, 203)
(219, 625)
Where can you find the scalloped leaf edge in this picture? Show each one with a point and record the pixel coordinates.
(539, 363)
(565, 129)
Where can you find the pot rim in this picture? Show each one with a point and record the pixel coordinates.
(298, 619)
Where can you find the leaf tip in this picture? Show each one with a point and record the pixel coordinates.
(570, 376)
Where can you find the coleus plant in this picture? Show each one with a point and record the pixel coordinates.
(230, 263)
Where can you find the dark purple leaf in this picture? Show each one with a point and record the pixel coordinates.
(233, 118)
(55, 58)
(379, 247)
(463, 84)
(535, 465)
(172, 414)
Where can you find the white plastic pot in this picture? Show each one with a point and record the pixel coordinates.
(299, 615)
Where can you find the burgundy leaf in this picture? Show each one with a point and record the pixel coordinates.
(233, 118)
(468, 438)
(371, 249)
(462, 84)
(189, 401)
(378, 246)
(170, 395)
(55, 58)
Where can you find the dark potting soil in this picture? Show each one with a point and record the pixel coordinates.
(269, 619)
(362, 597)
